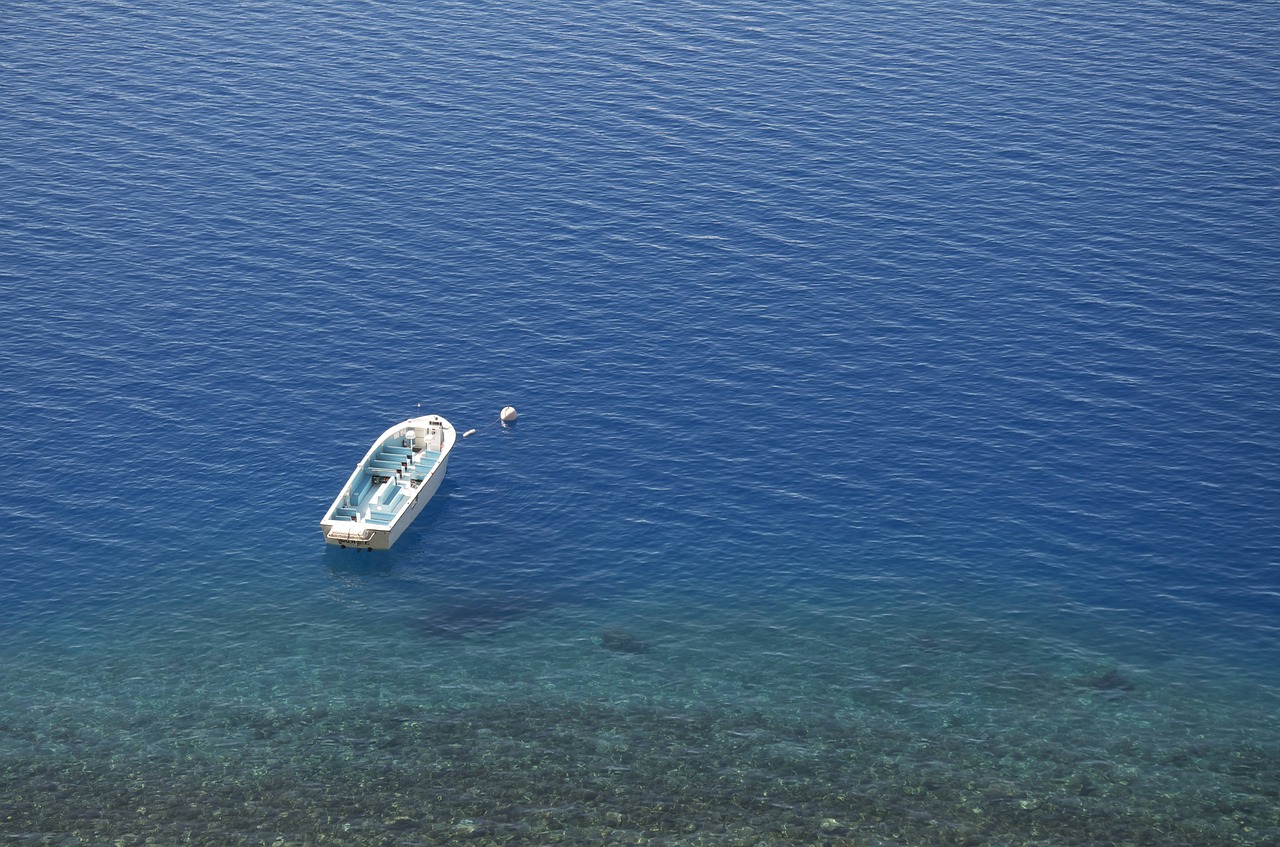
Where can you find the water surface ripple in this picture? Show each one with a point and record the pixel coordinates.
(896, 462)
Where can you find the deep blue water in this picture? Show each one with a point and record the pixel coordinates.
(897, 460)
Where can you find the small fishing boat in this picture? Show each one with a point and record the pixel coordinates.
(390, 485)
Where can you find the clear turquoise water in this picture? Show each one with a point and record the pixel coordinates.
(896, 462)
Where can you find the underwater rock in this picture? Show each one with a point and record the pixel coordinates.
(401, 824)
(621, 641)
(831, 826)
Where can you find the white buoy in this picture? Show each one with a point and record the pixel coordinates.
(468, 433)
(508, 414)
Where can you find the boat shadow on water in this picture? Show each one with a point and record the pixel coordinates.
(348, 562)
(474, 616)
(452, 604)
(444, 595)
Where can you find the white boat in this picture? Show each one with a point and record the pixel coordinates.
(390, 486)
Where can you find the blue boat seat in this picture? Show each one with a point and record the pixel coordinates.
(361, 489)
(392, 496)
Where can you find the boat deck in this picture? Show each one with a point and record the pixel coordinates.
(385, 483)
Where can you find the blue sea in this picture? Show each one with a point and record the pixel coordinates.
(898, 459)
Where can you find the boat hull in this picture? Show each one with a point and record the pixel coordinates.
(391, 485)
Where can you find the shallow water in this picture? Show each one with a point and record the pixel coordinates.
(896, 460)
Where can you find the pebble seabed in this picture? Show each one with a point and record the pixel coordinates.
(598, 738)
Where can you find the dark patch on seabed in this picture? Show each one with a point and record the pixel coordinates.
(570, 773)
(1110, 681)
(479, 613)
(621, 641)
(480, 616)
